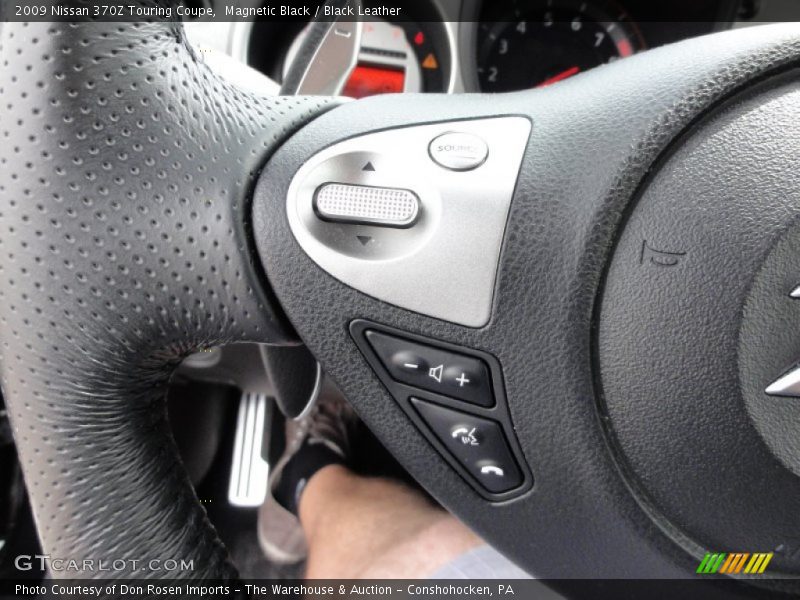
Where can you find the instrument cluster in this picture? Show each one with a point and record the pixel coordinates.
(496, 45)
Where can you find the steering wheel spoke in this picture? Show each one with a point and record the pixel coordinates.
(594, 141)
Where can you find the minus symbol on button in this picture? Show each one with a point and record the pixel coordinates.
(411, 366)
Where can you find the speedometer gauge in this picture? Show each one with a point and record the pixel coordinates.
(523, 44)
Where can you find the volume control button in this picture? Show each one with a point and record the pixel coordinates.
(433, 369)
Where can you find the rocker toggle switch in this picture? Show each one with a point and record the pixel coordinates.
(366, 205)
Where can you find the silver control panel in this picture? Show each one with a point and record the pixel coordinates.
(414, 216)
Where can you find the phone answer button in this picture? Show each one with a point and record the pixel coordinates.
(477, 443)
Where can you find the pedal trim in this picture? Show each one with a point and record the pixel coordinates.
(249, 470)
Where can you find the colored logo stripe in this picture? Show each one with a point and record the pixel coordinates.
(734, 562)
(711, 563)
(758, 564)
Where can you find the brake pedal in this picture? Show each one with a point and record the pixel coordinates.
(249, 469)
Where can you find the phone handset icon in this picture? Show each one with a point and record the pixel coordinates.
(466, 436)
(492, 470)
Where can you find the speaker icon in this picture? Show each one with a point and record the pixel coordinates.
(436, 373)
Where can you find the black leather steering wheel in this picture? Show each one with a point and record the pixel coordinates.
(638, 309)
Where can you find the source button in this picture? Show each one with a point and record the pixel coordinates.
(458, 151)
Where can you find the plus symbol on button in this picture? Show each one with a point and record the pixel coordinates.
(462, 380)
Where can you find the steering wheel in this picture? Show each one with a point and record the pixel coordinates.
(605, 265)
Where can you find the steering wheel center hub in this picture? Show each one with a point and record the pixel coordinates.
(696, 321)
(769, 350)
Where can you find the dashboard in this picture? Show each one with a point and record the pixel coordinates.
(458, 46)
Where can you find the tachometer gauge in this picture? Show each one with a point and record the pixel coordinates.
(523, 45)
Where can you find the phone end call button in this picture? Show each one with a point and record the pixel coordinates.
(477, 443)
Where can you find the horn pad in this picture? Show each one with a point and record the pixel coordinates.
(695, 322)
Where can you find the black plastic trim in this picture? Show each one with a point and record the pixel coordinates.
(402, 393)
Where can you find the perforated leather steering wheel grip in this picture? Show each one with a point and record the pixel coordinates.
(125, 165)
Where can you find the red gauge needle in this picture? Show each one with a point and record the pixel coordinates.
(563, 75)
